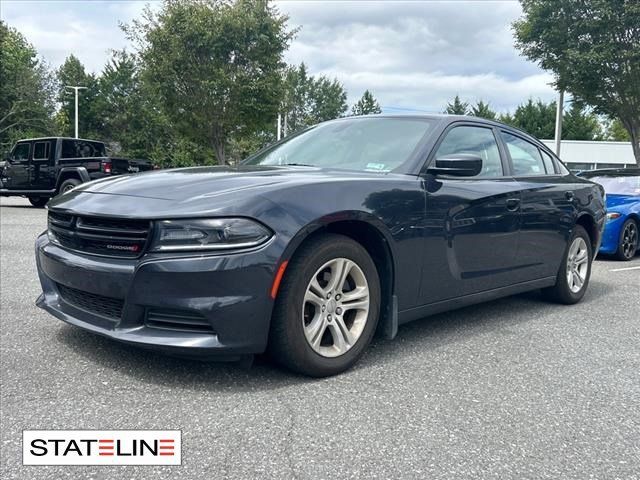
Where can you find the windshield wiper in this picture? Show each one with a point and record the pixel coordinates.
(296, 165)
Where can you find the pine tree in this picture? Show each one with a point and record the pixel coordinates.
(483, 110)
(367, 105)
(457, 107)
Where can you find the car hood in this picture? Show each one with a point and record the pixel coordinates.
(183, 184)
(209, 191)
(622, 202)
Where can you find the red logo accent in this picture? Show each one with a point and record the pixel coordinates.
(166, 447)
(105, 447)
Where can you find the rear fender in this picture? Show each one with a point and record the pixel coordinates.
(80, 173)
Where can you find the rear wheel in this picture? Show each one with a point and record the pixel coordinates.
(69, 184)
(38, 202)
(327, 308)
(575, 271)
(628, 243)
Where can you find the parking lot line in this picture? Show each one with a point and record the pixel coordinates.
(625, 269)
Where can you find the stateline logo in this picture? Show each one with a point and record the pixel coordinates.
(101, 447)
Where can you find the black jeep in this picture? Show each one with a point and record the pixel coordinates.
(40, 168)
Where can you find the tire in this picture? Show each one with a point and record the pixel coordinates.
(68, 184)
(628, 241)
(578, 264)
(38, 202)
(324, 336)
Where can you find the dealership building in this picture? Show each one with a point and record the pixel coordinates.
(587, 155)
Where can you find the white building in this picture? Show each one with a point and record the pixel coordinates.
(587, 155)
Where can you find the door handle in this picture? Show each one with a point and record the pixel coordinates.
(513, 204)
(568, 195)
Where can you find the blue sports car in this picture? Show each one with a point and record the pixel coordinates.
(622, 187)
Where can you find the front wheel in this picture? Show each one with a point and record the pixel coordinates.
(38, 202)
(628, 243)
(327, 308)
(575, 271)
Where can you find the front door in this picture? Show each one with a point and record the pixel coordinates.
(16, 171)
(472, 228)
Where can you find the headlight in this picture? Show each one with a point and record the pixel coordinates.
(613, 215)
(208, 234)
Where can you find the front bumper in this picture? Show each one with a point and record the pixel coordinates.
(611, 236)
(229, 292)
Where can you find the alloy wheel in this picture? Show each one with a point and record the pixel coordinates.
(630, 240)
(577, 264)
(336, 307)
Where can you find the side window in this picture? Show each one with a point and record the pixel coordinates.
(477, 140)
(548, 163)
(41, 151)
(21, 152)
(525, 156)
(82, 149)
(69, 149)
(562, 168)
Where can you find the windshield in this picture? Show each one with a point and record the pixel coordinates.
(365, 144)
(623, 185)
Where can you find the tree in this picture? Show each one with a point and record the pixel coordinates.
(131, 121)
(72, 73)
(457, 107)
(616, 132)
(26, 90)
(367, 105)
(579, 124)
(296, 98)
(308, 100)
(536, 118)
(216, 66)
(483, 110)
(507, 118)
(593, 48)
(328, 100)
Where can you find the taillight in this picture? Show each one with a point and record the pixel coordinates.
(106, 167)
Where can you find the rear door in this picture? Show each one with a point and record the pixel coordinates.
(16, 171)
(547, 206)
(472, 223)
(42, 165)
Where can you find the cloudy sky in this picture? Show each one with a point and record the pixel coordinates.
(412, 55)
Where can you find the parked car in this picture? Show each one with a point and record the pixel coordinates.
(311, 245)
(40, 168)
(622, 186)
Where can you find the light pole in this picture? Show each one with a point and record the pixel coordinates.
(559, 110)
(76, 91)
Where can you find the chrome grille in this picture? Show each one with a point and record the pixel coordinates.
(113, 237)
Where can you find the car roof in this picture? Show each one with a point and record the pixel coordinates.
(442, 117)
(611, 172)
(57, 138)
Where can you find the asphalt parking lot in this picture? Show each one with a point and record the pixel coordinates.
(516, 388)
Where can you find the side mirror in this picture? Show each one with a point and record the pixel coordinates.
(457, 164)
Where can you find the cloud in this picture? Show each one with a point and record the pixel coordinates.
(414, 55)
(89, 30)
(417, 54)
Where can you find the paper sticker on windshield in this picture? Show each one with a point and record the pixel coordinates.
(376, 167)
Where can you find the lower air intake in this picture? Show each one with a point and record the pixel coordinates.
(177, 320)
(90, 302)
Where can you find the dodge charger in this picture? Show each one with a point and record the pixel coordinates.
(312, 245)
